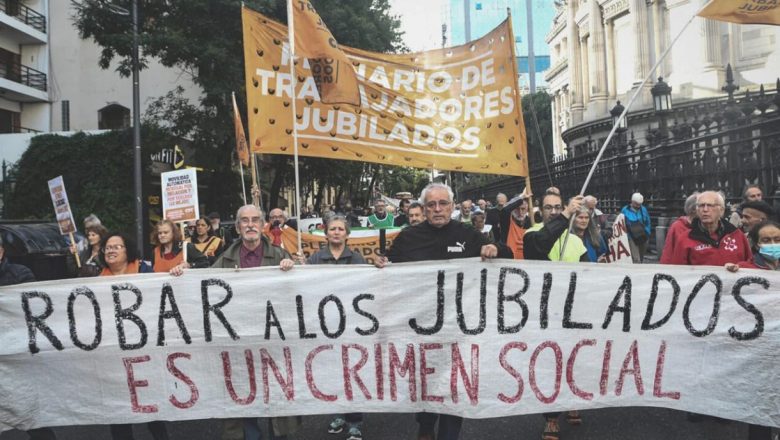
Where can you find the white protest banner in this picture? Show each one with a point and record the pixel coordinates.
(180, 195)
(477, 339)
(618, 245)
(59, 199)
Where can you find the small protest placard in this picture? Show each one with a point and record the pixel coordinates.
(180, 195)
(59, 199)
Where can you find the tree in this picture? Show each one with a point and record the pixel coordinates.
(204, 38)
(97, 171)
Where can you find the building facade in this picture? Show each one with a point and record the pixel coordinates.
(468, 20)
(50, 80)
(601, 50)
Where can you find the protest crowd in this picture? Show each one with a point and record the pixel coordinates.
(455, 109)
(562, 228)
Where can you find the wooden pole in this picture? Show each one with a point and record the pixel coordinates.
(183, 241)
(76, 254)
(518, 109)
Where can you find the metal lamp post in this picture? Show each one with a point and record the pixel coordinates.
(139, 208)
(621, 124)
(137, 168)
(662, 103)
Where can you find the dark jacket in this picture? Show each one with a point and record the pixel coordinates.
(14, 273)
(505, 216)
(230, 259)
(324, 256)
(195, 257)
(538, 244)
(453, 240)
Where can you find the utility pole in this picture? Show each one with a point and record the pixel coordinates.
(531, 57)
(139, 207)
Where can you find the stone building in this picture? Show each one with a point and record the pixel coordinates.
(601, 50)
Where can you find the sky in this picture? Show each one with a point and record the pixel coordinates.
(421, 22)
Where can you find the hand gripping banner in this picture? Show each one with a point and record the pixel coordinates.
(450, 109)
(476, 339)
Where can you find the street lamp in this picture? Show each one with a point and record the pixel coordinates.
(139, 208)
(622, 124)
(662, 96)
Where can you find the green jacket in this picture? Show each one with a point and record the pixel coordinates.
(230, 259)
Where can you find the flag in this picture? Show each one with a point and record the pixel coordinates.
(743, 11)
(241, 148)
(451, 109)
(333, 73)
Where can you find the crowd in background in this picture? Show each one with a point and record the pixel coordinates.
(558, 228)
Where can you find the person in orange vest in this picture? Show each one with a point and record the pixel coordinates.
(167, 255)
(514, 222)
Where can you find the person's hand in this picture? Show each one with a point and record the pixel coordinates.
(488, 251)
(73, 249)
(602, 259)
(575, 203)
(178, 270)
(525, 194)
(286, 264)
(732, 267)
(255, 195)
(299, 258)
(381, 261)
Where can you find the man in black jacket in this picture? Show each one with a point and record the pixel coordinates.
(440, 238)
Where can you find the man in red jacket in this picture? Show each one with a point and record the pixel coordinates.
(679, 228)
(711, 241)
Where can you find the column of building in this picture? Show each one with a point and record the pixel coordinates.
(597, 106)
(575, 70)
(713, 74)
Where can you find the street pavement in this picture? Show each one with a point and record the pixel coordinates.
(602, 424)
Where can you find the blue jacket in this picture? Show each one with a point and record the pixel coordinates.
(633, 216)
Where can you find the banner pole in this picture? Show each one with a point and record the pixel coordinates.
(76, 254)
(183, 242)
(243, 185)
(291, 38)
(518, 109)
(623, 116)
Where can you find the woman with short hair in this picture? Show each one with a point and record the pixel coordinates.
(167, 255)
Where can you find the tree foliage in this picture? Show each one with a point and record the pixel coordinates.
(203, 37)
(97, 171)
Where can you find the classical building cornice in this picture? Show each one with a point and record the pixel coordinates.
(614, 8)
(556, 70)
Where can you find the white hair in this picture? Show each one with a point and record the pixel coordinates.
(721, 199)
(588, 199)
(432, 186)
(690, 204)
(245, 207)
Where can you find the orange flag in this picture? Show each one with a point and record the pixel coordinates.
(743, 11)
(333, 73)
(241, 147)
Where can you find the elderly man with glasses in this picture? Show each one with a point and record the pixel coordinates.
(440, 238)
(253, 249)
(712, 241)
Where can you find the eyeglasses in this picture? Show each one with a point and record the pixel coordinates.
(115, 247)
(441, 203)
(707, 205)
(250, 221)
(552, 207)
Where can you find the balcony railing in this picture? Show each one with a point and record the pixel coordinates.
(24, 75)
(17, 10)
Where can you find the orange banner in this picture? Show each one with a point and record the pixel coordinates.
(743, 11)
(451, 109)
(332, 72)
(241, 147)
(368, 247)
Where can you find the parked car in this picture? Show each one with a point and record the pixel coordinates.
(39, 246)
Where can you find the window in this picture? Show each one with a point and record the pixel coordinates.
(113, 117)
